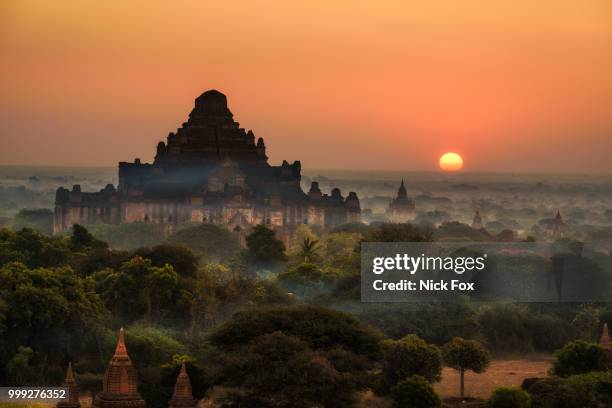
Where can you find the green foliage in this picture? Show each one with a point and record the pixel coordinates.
(463, 355)
(339, 251)
(411, 356)
(279, 370)
(516, 328)
(39, 219)
(51, 311)
(97, 260)
(217, 293)
(578, 391)
(307, 280)
(89, 382)
(435, 323)
(388, 232)
(32, 249)
(509, 397)
(184, 262)
(309, 250)
(18, 369)
(210, 242)
(352, 228)
(140, 289)
(82, 240)
(579, 357)
(263, 247)
(320, 328)
(129, 236)
(152, 346)
(415, 392)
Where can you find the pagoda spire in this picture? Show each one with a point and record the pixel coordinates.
(477, 221)
(183, 393)
(69, 374)
(401, 191)
(73, 400)
(121, 350)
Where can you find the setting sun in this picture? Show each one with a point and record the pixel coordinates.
(451, 162)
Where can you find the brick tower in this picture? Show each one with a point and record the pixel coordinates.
(183, 396)
(73, 391)
(120, 382)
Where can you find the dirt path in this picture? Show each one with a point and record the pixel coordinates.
(502, 372)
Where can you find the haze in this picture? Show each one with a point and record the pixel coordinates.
(516, 86)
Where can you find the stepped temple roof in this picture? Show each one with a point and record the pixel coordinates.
(210, 169)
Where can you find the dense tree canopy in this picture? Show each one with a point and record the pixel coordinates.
(409, 356)
(263, 246)
(317, 326)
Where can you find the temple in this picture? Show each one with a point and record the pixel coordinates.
(557, 227)
(120, 386)
(401, 208)
(209, 170)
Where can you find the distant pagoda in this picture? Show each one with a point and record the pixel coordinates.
(120, 381)
(477, 221)
(183, 394)
(557, 227)
(401, 208)
(73, 391)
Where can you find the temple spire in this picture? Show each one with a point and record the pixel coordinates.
(121, 350)
(73, 391)
(401, 191)
(69, 374)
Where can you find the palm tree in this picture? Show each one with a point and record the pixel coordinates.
(309, 250)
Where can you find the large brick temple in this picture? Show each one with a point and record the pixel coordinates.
(209, 170)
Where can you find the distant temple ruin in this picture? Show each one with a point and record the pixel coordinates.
(401, 208)
(209, 170)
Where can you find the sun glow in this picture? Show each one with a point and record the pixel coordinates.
(451, 162)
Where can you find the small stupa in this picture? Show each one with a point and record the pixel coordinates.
(73, 391)
(183, 393)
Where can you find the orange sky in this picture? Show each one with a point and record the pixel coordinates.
(512, 85)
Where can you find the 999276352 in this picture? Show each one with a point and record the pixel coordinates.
(33, 394)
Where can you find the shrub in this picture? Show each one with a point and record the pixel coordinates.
(415, 392)
(412, 356)
(579, 357)
(577, 391)
(509, 397)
